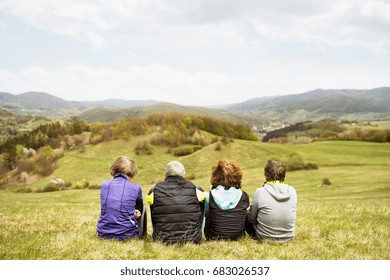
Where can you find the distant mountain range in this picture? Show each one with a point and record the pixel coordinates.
(111, 114)
(264, 113)
(40, 103)
(319, 104)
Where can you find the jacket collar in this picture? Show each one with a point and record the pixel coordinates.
(174, 178)
(120, 175)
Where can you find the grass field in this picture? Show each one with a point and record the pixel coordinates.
(350, 219)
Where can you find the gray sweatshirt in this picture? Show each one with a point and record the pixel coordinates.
(273, 212)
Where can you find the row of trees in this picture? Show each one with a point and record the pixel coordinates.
(310, 129)
(37, 151)
(172, 129)
(11, 125)
(306, 132)
(50, 134)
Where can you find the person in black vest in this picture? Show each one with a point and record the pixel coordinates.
(226, 205)
(177, 207)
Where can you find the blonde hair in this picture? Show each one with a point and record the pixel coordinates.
(124, 165)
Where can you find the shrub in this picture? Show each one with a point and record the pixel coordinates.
(96, 139)
(197, 148)
(214, 140)
(50, 187)
(310, 166)
(94, 187)
(183, 151)
(218, 147)
(225, 140)
(25, 165)
(299, 139)
(295, 162)
(45, 162)
(143, 148)
(24, 190)
(23, 177)
(279, 140)
(326, 182)
(83, 184)
(156, 138)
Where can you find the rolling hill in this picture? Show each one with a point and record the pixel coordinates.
(104, 114)
(347, 220)
(40, 103)
(318, 104)
(264, 113)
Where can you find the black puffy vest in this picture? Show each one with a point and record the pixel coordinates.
(226, 224)
(176, 212)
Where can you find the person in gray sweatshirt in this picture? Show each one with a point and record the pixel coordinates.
(272, 213)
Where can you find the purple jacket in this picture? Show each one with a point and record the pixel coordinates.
(118, 199)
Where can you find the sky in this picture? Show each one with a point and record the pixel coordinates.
(198, 52)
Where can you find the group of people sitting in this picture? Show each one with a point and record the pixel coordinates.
(182, 211)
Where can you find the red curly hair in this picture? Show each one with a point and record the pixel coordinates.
(226, 173)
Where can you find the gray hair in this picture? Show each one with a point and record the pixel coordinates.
(175, 168)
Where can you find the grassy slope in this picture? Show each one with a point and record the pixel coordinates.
(347, 220)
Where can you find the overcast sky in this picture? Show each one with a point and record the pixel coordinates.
(199, 52)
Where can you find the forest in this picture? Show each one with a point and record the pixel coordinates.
(38, 150)
(326, 130)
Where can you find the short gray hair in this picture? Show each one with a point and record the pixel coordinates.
(175, 168)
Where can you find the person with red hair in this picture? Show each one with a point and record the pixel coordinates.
(226, 204)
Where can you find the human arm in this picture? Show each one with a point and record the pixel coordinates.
(201, 194)
(207, 203)
(139, 205)
(150, 197)
(254, 208)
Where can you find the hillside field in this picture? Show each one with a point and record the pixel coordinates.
(350, 219)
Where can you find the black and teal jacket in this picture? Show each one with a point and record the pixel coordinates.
(225, 213)
(177, 210)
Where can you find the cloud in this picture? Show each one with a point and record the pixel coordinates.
(197, 52)
(71, 18)
(333, 23)
(160, 82)
(360, 23)
(80, 82)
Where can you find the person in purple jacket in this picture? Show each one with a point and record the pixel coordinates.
(121, 202)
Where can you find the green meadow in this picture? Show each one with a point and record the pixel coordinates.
(349, 219)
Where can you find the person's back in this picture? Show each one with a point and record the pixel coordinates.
(120, 199)
(276, 215)
(274, 207)
(176, 207)
(226, 204)
(225, 218)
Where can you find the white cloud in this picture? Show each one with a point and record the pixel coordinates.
(375, 9)
(363, 23)
(344, 23)
(80, 82)
(198, 52)
(65, 17)
(160, 82)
